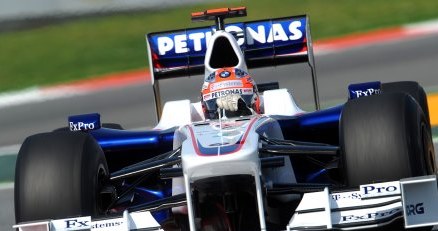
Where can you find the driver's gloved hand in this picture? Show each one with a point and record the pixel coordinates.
(228, 102)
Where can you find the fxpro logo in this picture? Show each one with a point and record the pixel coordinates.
(367, 92)
(261, 33)
(380, 189)
(81, 126)
(371, 189)
(74, 224)
(78, 224)
(369, 216)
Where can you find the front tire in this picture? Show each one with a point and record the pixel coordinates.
(411, 88)
(59, 175)
(383, 138)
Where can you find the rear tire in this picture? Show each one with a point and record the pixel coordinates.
(383, 138)
(59, 175)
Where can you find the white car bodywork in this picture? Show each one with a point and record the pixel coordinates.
(230, 146)
(220, 135)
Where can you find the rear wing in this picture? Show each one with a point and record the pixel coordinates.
(264, 43)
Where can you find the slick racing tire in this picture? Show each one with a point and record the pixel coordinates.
(411, 88)
(383, 138)
(59, 175)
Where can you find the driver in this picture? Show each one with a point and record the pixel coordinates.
(230, 91)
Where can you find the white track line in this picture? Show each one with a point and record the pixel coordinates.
(34, 95)
(6, 186)
(10, 150)
(427, 27)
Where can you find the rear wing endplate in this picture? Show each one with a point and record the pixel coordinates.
(279, 41)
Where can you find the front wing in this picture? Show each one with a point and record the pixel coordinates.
(142, 220)
(413, 199)
(374, 205)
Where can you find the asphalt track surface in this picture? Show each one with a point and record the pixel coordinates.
(132, 107)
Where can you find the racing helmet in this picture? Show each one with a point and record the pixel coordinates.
(228, 81)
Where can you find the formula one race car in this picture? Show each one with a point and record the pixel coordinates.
(364, 164)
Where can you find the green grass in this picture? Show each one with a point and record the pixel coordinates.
(94, 46)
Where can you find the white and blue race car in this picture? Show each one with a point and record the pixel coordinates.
(367, 163)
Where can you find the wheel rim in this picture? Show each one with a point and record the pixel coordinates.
(102, 200)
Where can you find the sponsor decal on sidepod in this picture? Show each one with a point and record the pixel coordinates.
(367, 92)
(84, 122)
(81, 126)
(359, 90)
